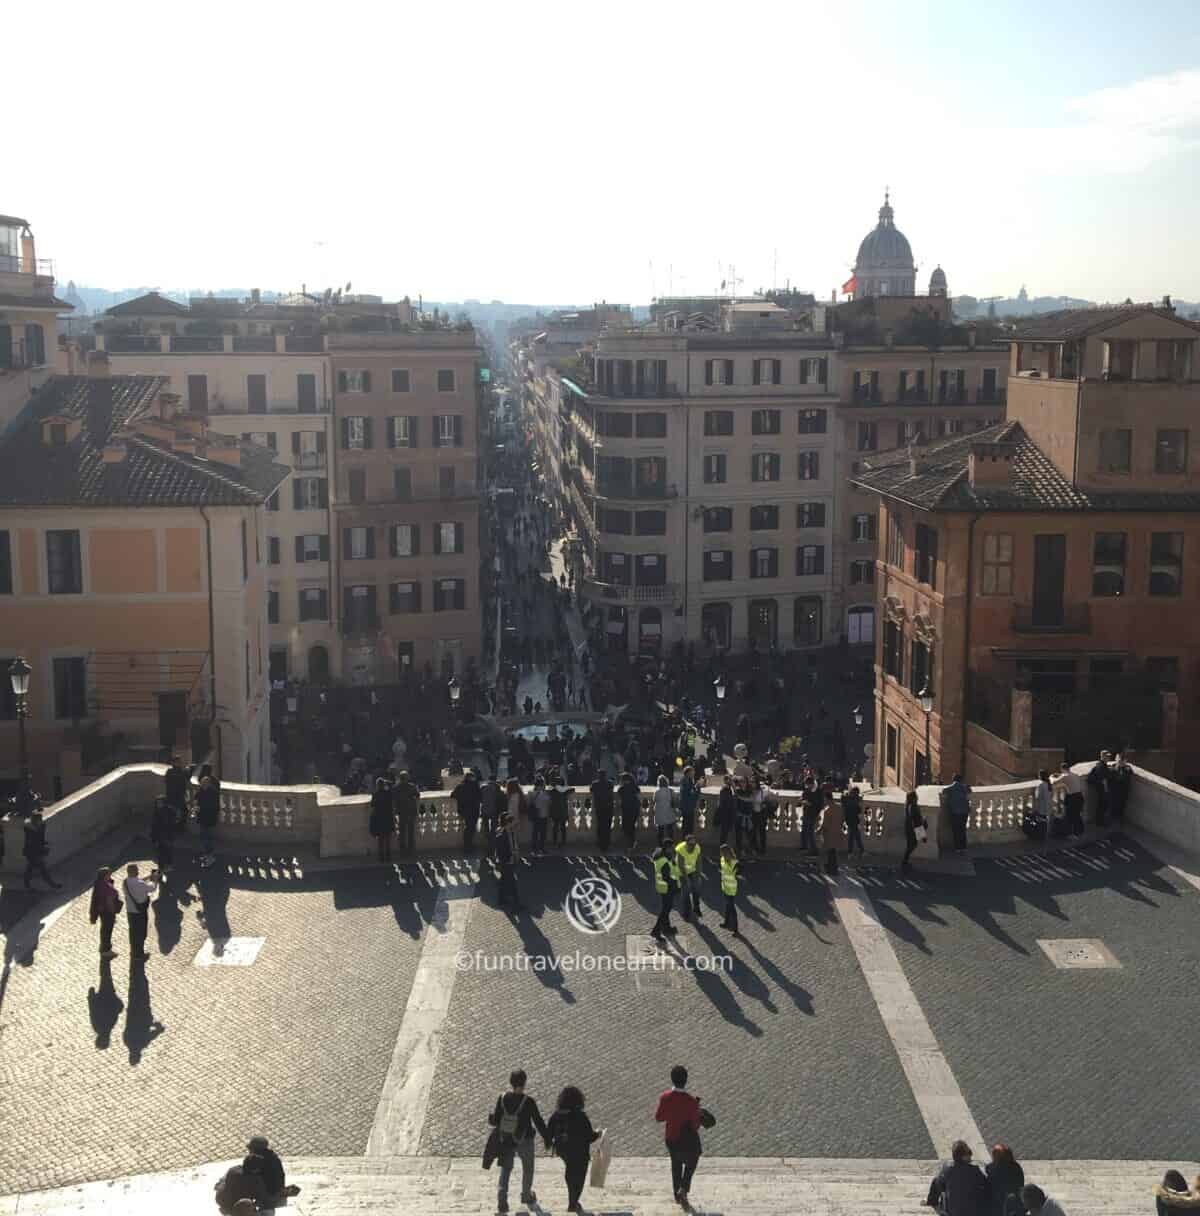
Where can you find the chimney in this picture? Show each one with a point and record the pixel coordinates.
(99, 397)
(991, 464)
(918, 461)
(115, 469)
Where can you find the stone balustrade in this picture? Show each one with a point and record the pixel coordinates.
(318, 817)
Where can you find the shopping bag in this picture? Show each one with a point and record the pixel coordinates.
(601, 1160)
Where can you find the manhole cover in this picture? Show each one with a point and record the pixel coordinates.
(1078, 953)
(229, 951)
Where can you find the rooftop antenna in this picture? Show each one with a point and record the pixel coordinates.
(775, 270)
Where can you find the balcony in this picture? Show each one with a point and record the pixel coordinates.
(133, 344)
(619, 593)
(1069, 619)
(304, 344)
(866, 395)
(913, 396)
(261, 343)
(192, 344)
(310, 460)
(635, 493)
(952, 396)
(991, 396)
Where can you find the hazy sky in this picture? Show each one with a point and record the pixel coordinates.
(565, 153)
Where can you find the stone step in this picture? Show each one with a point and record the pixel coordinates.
(724, 1186)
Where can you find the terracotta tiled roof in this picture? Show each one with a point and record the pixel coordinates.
(152, 304)
(34, 473)
(13, 301)
(1071, 323)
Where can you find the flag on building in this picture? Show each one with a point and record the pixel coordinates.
(850, 286)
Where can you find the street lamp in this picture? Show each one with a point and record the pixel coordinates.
(18, 673)
(926, 698)
(719, 688)
(858, 716)
(455, 690)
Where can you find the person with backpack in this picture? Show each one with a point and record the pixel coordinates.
(680, 1112)
(571, 1135)
(515, 1118)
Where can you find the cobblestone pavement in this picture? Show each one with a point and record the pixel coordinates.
(108, 1072)
(1071, 1064)
(789, 1047)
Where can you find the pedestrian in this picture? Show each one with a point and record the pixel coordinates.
(726, 809)
(1071, 785)
(36, 850)
(176, 786)
(491, 798)
(164, 823)
(811, 801)
(138, 892)
(382, 823)
(601, 790)
(570, 1134)
(956, 798)
(406, 802)
(680, 1112)
(852, 814)
(105, 906)
(241, 1184)
(689, 799)
(666, 883)
(1038, 1203)
(507, 852)
(630, 798)
(515, 1118)
(758, 819)
(664, 810)
(208, 812)
(1120, 778)
(687, 859)
(1005, 1178)
(467, 798)
(913, 820)
(1172, 1194)
(273, 1175)
(832, 834)
(539, 815)
(1097, 781)
(729, 887)
(559, 809)
(959, 1188)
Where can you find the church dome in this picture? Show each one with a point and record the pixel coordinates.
(885, 247)
(937, 282)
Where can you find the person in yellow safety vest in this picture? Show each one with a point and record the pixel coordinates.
(729, 886)
(666, 882)
(687, 858)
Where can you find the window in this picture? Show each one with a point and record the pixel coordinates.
(912, 431)
(718, 422)
(650, 474)
(764, 563)
(1164, 671)
(358, 609)
(813, 422)
(58, 434)
(272, 606)
(891, 748)
(445, 380)
(718, 565)
(764, 466)
(404, 540)
(810, 515)
(952, 386)
(860, 625)
(768, 371)
(402, 484)
(866, 386)
(197, 394)
(358, 485)
(356, 434)
(862, 572)
(809, 466)
(925, 564)
(921, 667)
(400, 382)
(1108, 564)
(358, 544)
(446, 480)
(404, 598)
(862, 528)
(764, 422)
(650, 569)
(895, 551)
(619, 522)
(306, 393)
(308, 449)
(718, 371)
(314, 604)
(893, 642)
(650, 523)
(1171, 452)
(64, 568)
(449, 538)
(806, 620)
(997, 563)
(764, 519)
(245, 554)
(614, 425)
(616, 568)
(354, 382)
(273, 551)
(718, 519)
(1166, 563)
(6, 578)
(614, 475)
(70, 689)
(449, 594)
(714, 468)
(312, 548)
(949, 426)
(810, 559)
(447, 431)
(402, 431)
(1115, 448)
(651, 426)
(256, 393)
(814, 371)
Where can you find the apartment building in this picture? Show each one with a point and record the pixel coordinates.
(133, 580)
(406, 503)
(1036, 580)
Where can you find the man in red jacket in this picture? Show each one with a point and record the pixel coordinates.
(680, 1111)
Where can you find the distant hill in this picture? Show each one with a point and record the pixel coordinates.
(1024, 305)
(94, 300)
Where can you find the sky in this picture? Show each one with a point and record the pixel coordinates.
(562, 153)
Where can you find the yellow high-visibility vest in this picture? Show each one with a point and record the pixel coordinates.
(729, 876)
(664, 869)
(689, 859)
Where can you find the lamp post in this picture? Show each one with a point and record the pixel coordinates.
(858, 721)
(18, 673)
(454, 688)
(926, 698)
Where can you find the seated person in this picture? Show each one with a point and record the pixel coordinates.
(243, 1184)
(273, 1176)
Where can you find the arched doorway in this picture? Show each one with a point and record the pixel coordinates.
(318, 665)
(764, 622)
(716, 626)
